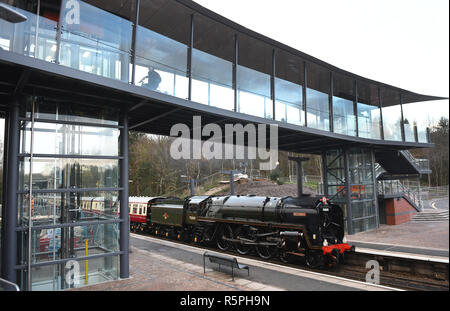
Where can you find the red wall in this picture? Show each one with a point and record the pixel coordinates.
(398, 211)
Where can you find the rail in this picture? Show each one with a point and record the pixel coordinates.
(8, 286)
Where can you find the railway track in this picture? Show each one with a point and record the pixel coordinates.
(402, 273)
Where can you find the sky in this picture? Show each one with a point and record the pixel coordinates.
(404, 43)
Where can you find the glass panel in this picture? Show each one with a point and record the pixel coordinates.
(289, 76)
(368, 111)
(362, 189)
(69, 173)
(51, 277)
(99, 42)
(416, 122)
(254, 93)
(75, 113)
(66, 207)
(362, 225)
(368, 121)
(212, 63)
(289, 102)
(71, 139)
(161, 63)
(253, 77)
(21, 37)
(344, 120)
(46, 243)
(317, 99)
(392, 115)
(212, 80)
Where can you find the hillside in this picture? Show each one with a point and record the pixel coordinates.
(261, 188)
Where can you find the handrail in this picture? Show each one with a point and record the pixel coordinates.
(14, 285)
(421, 164)
(397, 187)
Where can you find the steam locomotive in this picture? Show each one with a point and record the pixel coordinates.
(307, 227)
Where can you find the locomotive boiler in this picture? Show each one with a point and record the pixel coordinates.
(307, 227)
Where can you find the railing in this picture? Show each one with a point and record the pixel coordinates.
(396, 187)
(421, 164)
(430, 193)
(379, 170)
(8, 286)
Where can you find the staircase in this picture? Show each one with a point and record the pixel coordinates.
(431, 216)
(389, 188)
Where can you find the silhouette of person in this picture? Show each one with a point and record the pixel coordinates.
(153, 79)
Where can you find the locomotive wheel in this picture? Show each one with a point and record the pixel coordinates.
(241, 248)
(265, 252)
(224, 232)
(284, 257)
(314, 259)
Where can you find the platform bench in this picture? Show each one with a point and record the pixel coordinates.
(225, 261)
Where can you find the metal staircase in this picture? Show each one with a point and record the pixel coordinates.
(392, 170)
(393, 188)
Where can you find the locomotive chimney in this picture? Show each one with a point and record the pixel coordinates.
(299, 161)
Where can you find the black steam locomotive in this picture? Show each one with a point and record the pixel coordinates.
(308, 227)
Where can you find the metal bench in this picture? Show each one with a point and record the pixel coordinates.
(225, 261)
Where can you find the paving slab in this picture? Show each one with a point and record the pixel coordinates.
(429, 238)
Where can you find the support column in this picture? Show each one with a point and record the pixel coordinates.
(325, 173)
(235, 64)
(375, 187)
(125, 224)
(136, 4)
(189, 57)
(9, 234)
(348, 197)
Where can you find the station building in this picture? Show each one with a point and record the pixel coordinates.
(76, 78)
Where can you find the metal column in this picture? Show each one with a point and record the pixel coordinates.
(375, 187)
(9, 234)
(325, 173)
(125, 224)
(189, 57)
(137, 4)
(348, 192)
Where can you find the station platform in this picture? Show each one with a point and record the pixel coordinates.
(427, 240)
(163, 265)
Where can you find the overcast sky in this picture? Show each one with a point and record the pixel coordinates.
(404, 43)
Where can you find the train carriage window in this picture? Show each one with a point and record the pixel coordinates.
(140, 210)
(134, 210)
